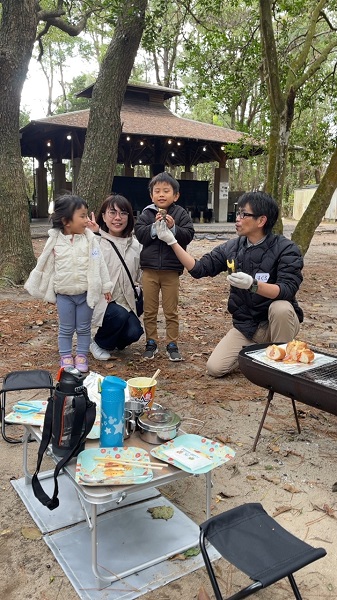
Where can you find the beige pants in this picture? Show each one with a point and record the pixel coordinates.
(166, 282)
(283, 325)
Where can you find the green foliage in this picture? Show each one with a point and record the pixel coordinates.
(71, 103)
(222, 60)
(24, 117)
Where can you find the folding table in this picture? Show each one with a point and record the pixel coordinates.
(92, 497)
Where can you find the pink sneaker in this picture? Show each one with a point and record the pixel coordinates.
(67, 360)
(81, 363)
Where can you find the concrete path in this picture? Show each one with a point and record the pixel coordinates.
(39, 228)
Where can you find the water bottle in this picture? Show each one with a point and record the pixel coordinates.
(112, 412)
(68, 394)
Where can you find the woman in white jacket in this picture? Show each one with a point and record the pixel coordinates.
(71, 272)
(117, 322)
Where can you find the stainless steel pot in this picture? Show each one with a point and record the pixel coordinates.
(137, 409)
(158, 426)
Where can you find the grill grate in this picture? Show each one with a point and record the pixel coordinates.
(325, 375)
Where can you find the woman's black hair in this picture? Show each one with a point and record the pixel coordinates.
(261, 204)
(64, 208)
(122, 204)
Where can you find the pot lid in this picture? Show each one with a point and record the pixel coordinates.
(161, 418)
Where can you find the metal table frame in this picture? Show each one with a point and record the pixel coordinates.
(92, 496)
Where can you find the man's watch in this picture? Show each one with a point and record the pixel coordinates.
(254, 287)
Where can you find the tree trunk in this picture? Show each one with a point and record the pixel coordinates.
(318, 205)
(17, 35)
(104, 127)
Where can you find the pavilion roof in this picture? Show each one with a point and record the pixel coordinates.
(144, 116)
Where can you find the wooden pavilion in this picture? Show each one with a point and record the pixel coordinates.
(151, 135)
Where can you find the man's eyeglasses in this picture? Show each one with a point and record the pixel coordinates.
(123, 214)
(242, 215)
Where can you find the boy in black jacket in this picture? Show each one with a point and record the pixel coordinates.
(161, 268)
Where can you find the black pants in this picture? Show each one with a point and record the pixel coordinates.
(119, 329)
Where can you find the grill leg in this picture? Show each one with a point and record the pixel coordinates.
(296, 415)
(269, 399)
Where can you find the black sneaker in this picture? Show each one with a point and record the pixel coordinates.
(173, 352)
(150, 350)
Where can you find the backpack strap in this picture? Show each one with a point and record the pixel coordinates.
(125, 267)
(84, 410)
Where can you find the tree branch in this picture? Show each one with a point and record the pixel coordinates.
(271, 58)
(326, 18)
(52, 18)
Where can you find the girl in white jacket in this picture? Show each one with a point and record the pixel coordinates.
(71, 272)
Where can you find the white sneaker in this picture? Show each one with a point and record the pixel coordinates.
(99, 353)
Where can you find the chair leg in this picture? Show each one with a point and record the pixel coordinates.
(269, 399)
(244, 593)
(209, 567)
(294, 587)
(3, 433)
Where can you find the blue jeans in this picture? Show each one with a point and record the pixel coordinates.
(74, 315)
(119, 329)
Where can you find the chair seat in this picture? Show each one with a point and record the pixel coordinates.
(35, 379)
(255, 543)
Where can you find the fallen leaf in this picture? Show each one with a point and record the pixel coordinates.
(202, 595)
(224, 439)
(275, 480)
(223, 496)
(280, 510)
(31, 533)
(187, 554)
(161, 512)
(289, 487)
(6, 532)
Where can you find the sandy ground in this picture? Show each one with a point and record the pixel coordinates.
(291, 474)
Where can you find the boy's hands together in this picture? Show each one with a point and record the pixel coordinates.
(164, 234)
(240, 280)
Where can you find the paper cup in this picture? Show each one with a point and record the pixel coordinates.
(140, 388)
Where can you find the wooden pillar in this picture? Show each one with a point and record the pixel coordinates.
(156, 168)
(221, 188)
(187, 175)
(75, 165)
(129, 171)
(41, 192)
(158, 165)
(59, 178)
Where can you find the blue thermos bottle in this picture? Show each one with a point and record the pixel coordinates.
(112, 412)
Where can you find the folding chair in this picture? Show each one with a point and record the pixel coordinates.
(36, 379)
(255, 543)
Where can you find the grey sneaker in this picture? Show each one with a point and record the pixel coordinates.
(173, 352)
(98, 352)
(150, 349)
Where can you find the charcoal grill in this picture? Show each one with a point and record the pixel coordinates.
(316, 387)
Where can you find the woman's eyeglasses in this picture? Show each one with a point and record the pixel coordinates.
(242, 215)
(123, 214)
